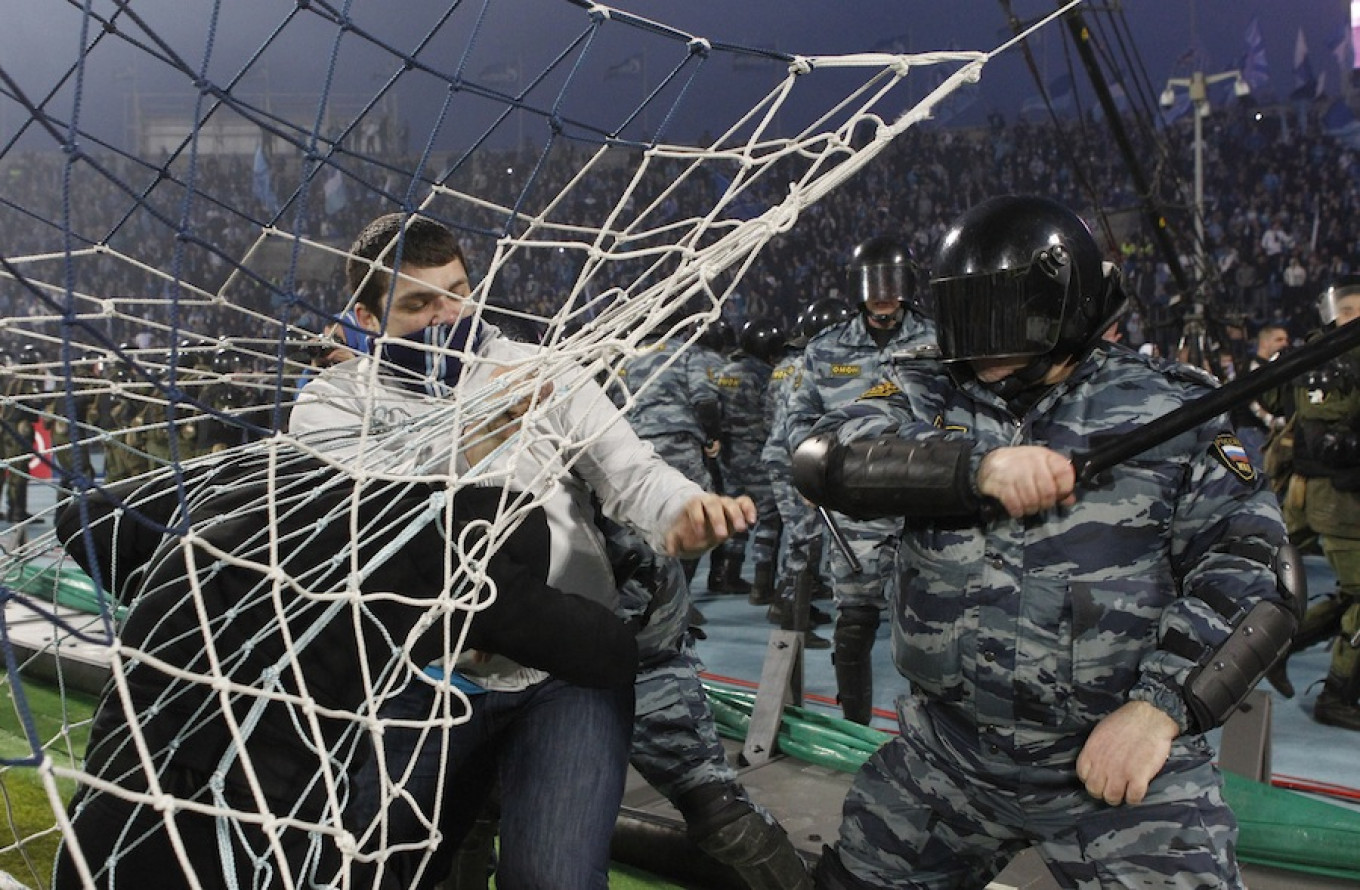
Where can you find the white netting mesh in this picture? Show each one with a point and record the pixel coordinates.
(175, 222)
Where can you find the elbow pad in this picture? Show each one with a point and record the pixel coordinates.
(887, 476)
(1222, 679)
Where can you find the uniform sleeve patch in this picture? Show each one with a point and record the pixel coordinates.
(1228, 450)
(880, 391)
(947, 427)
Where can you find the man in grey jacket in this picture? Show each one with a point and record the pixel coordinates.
(445, 394)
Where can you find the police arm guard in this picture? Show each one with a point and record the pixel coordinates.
(1224, 677)
(888, 476)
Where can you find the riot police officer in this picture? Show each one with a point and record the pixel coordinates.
(743, 383)
(1323, 499)
(1068, 647)
(838, 366)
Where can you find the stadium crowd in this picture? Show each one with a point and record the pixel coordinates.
(1280, 204)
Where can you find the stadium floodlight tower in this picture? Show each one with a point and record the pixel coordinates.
(1197, 84)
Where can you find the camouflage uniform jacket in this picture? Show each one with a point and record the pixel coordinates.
(841, 362)
(742, 384)
(665, 405)
(1035, 629)
(786, 376)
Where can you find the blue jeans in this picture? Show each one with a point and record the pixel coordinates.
(560, 755)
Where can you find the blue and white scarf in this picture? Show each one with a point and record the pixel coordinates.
(428, 359)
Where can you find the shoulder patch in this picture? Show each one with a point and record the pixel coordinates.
(880, 391)
(1228, 450)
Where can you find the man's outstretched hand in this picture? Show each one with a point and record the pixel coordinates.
(707, 521)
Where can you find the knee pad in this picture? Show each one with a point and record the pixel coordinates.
(856, 627)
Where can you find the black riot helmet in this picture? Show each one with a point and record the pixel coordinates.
(883, 268)
(226, 359)
(822, 314)
(763, 339)
(1327, 304)
(718, 336)
(1017, 276)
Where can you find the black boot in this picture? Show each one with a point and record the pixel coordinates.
(724, 575)
(856, 628)
(1334, 708)
(1338, 704)
(716, 562)
(762, 591)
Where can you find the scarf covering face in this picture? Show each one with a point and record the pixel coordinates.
(428, 360)
(356, 337)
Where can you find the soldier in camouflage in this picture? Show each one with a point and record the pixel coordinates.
(20, 389)
(236, 415)
(1067, 648)
(839, 365)
(174, 432)
(743, 384)
(676, 747)
(677, 409)
(799, 558)
(129, 406)
(1323, 499)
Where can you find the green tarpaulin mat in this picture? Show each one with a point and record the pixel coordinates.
(63, 585)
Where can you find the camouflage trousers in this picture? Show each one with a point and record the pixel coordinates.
(1343, 554)
(934, 809)
(676, 746)
(872, 542)
(800, 528)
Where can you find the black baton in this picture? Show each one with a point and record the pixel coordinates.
(842, 544)
(1239, 391)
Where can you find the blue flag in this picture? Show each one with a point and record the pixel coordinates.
(1255, 70)
(1305, 81)
(1339, 122)
(263, 181)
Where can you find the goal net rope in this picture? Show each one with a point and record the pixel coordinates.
(181, 190)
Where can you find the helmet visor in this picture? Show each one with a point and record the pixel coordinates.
(1013, 312)
(1328, 305)
(886, 282)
